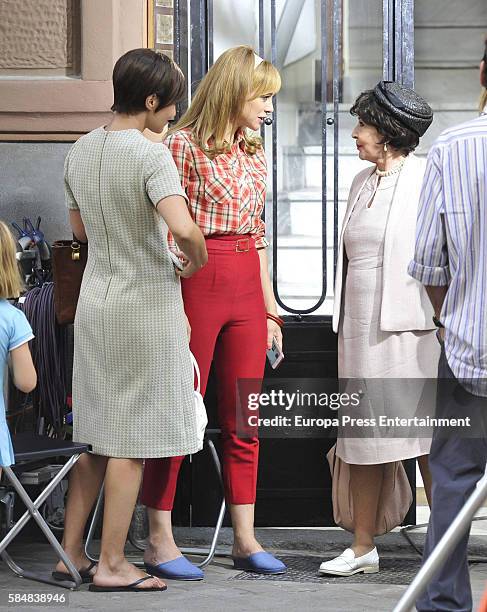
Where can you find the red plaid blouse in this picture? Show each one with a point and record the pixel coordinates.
(227, 194)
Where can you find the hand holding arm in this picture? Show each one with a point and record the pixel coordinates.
(185, 231)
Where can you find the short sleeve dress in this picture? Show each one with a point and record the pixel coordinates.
(14, 332)
(132, 375)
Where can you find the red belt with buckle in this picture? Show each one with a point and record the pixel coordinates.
(231, 242)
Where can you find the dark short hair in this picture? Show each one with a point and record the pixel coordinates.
(141, 73)
(393, 132)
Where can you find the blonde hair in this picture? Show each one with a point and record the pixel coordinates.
(221, 97)
(483, 100)
(10, 280)
(483, 95)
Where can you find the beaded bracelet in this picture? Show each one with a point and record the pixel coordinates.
(277, 319)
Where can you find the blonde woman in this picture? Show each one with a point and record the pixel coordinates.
(229, 304)
(15, 333)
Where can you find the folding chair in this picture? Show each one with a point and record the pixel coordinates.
(141, 544)
(30, 450)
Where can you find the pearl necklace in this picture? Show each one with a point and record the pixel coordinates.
(397, 168)
(381, 174)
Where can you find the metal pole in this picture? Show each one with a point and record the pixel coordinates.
(260, 19)
(337, 70)
(388, 40)
(276, 38)
(209, 29)
(444, 547)
(404, 41)
(181, 47)
(199, 45)
(274, 159)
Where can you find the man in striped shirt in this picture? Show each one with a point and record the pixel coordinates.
(451, 261)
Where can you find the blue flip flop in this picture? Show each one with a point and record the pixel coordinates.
(177, 569)
(260, 563)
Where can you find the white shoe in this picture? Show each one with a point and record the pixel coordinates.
(348, 564)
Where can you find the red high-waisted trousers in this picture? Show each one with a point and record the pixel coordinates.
(225, 307)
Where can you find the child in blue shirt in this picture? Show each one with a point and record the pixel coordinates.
(15, 333)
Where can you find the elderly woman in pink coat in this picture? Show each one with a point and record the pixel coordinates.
(383, 317)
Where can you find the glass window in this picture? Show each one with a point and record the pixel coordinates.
(235, 22)
(302, 44)
(447, 74)
(161, 26)
(359, 39)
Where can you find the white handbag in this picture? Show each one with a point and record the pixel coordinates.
(199, 407)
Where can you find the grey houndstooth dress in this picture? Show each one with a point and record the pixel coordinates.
(132, 377)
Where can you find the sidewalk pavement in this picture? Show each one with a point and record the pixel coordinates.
(228, 590)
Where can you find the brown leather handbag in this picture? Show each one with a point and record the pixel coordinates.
(394, 502)
(68, 264)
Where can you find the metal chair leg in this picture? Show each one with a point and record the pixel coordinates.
(33, 512)
(141, 544)
(444, 546)
(93, 525)
(407, 529)
(212, 550)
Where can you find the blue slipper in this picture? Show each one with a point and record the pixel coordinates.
(177, 569)
(260, 563)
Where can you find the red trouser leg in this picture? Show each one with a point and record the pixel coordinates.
(237, 356)
(224, 305)
(240, 352)
(161, 475)
(160, 481)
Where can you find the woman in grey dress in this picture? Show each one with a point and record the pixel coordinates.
(383, 318)
(133, 378)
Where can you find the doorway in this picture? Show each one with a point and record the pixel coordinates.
(328, 51)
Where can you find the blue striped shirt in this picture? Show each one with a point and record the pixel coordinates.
(451, 244)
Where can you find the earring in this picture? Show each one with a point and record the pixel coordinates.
(385, 147)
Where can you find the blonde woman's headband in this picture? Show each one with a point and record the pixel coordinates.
(257, 60)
